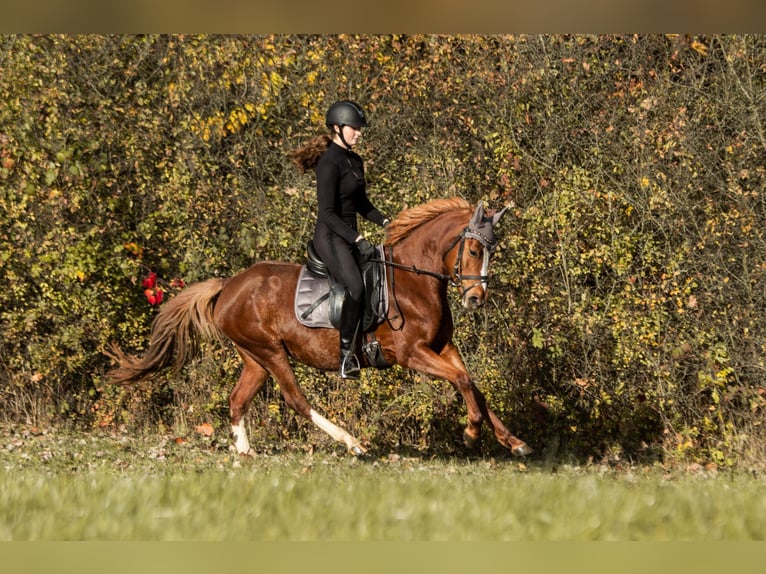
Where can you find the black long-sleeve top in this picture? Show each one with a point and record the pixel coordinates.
(342, 193)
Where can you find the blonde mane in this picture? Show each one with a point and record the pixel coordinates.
(409, 219)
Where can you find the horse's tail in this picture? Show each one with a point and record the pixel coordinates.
(175, 334)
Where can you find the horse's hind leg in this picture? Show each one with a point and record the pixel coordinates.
(250, 382)
(336, 432)
(297, 401)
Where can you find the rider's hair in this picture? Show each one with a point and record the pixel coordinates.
(307, 156)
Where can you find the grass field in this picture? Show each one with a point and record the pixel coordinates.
(63, 486)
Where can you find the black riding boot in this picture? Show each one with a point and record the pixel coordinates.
(349, 326)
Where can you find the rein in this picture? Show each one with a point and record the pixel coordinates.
(411, 268)
(457, 277)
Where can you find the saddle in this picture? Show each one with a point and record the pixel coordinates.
(319, 298)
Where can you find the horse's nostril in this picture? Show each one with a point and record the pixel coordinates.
(474, 302)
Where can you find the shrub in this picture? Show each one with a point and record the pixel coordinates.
(626, 316)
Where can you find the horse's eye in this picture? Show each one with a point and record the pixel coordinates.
(473, 253)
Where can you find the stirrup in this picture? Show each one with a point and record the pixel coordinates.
(349, 366)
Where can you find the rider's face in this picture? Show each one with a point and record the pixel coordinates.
(350, 134)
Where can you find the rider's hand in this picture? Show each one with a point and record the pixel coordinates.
(365, 248)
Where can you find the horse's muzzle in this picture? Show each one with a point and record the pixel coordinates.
(474, 301)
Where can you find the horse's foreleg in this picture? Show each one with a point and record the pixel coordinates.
(250, 382)
(502, 434)
(449, 365)
(517, 446)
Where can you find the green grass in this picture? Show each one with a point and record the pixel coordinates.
(95, 487)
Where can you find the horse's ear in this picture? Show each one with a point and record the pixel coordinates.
(496, 217)
(478, 215)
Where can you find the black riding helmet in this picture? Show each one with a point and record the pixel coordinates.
(346, 113)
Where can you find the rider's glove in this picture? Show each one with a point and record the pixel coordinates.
(365, 248)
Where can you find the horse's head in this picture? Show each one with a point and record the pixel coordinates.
(476, 244)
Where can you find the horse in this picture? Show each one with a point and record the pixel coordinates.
(430, 247)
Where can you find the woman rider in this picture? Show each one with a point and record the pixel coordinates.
(341, 195)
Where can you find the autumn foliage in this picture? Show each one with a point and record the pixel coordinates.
(628, 310)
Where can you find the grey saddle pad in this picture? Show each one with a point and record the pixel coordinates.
(317, 304)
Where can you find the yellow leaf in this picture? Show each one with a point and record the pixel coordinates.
(699, 47)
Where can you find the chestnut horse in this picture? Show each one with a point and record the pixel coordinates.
(441, 243)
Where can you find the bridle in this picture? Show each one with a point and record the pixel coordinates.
(489, 245)
(457, 277)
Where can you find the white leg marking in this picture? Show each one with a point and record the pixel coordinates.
(337, 433)
(239, 434)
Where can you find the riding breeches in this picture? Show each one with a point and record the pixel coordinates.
(341, 262)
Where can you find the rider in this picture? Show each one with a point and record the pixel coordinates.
(342, 194)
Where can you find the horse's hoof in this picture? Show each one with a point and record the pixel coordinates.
(521, 450)
(469, 441)
(235, 450)
(357, 450)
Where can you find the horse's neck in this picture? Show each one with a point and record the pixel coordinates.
(427, 245)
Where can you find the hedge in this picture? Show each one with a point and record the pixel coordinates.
(626, 319)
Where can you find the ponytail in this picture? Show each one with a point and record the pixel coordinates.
(305, 158)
